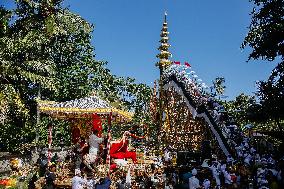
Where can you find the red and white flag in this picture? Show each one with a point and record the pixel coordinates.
(175, 62)
(187, 64)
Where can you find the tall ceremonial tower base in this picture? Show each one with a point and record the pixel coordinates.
(178, 129)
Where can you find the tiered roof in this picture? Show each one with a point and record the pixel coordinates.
(164, 54)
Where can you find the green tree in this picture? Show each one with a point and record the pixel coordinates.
(266, 39)
(47, 49)
(19, 71)
(218, 86)
(270, 106)
(239, 108)
(266, 31)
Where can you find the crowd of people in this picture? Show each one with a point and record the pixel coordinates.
(245, 169)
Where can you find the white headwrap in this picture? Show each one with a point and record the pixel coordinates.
(194, 172)
(206, 184)
(205, 163)
(77, 172)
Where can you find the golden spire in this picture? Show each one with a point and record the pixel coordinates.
(164, 54)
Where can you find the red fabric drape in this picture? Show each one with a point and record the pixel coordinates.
(120, 151)
(75, 135)
(97, 124)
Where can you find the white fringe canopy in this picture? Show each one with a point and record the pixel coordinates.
(91, 104)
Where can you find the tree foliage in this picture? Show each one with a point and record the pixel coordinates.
(46, 49)
(270, 107)
(218, 86)
(239, 108)
(266, 31)
(266, 39)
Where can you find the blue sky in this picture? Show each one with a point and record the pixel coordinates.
(208, 34)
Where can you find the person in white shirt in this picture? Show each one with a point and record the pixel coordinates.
(193, 181)
(248, 158)
(94, 142)
(91, 184)
(77, 181)
(252, 150)
(223, 167)
(167, 156)
(128, 177)
(206, 184)
(230, 160)
(239, 151)
(271, 161)
(216, 173)
(228, 179)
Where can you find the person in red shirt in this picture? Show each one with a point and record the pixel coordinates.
(119, 149)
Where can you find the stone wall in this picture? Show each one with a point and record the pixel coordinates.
(32, 159)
